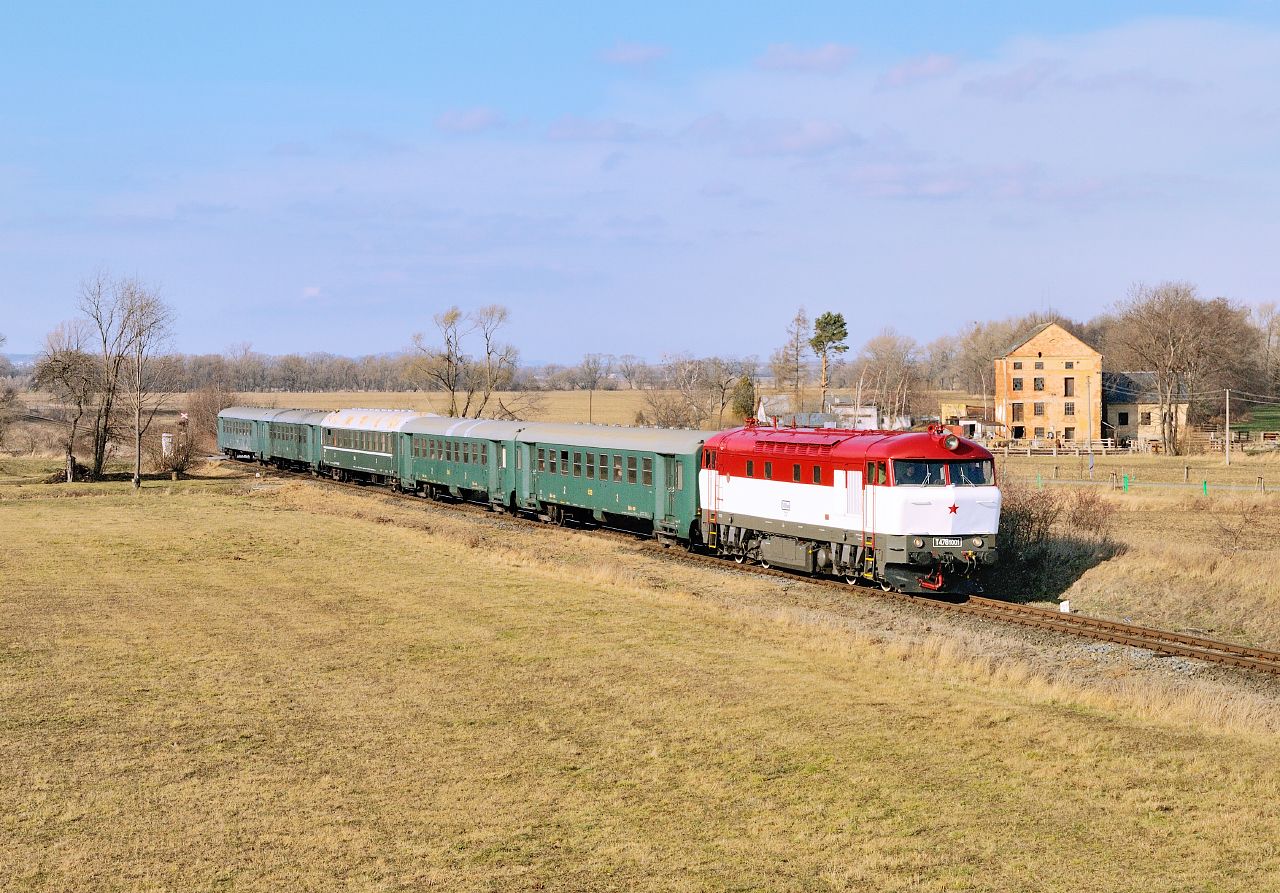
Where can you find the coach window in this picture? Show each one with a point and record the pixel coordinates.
(795, 473)
(542, 464)
(617, 469)
(679, 475)
(631, 469)
(577, 465)
(484, 454)
(591, 466)
(646, 471)
(768, 471)
(604, 466)
(564, 462)
(552, 467)
(817, 474)
(751, 469)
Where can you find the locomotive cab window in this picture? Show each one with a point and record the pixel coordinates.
(919, 473)
(976, 473)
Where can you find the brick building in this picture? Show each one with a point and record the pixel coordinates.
(1049, 388)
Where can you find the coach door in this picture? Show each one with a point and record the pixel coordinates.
(673, 477)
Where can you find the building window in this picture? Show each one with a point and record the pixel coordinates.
(795, 473)
(1068, 408)
(1016, 409)
(646, 471)
(1037, 384)
(1039, 364)
(1068, 433)
(1037, 409)
(1017, 384)
(1069, 364)
(1039, 432)
(1144, 418)
(1017, 364)
(751, 469)
(1122, 418)
(1068, 387)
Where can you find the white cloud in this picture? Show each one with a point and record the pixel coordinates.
(830, 58)
(915, 71)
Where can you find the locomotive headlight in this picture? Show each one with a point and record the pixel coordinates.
(918, 542)
(951, 441)
(978, 542)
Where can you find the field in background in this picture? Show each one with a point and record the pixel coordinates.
(192, 697)
(604, 407)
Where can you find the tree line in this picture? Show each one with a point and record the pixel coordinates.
(109, 370)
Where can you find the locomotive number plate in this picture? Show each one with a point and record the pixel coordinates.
(947, 541)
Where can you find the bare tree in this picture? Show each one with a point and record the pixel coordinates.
(721, 376)
(1189, 343)
(469, 383)
(70, 374)
(105, 305)
(633, 370)
(888, 373)
(147, 374)
(203, 406)
(787, 362)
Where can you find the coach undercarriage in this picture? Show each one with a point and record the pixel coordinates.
(899, 563)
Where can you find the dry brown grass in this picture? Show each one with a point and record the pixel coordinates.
(312, 690)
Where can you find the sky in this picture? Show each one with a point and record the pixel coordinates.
(643, 178)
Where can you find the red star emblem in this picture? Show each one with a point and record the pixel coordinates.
(952, 508)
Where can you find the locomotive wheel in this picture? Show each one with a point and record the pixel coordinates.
(851, 579)
(885, 587)
(764, 564)
(739, 558)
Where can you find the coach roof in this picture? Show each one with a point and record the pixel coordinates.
(617, 437)
(372, 419)
(250, 413)
(445, 426)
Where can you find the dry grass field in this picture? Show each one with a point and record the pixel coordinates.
(234, 684)
(603, 407)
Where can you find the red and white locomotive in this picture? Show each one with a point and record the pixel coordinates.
(912, 511)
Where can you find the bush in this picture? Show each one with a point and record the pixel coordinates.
(1090, 512)
(179, 459)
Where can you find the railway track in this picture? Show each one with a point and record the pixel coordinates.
(1157, 641)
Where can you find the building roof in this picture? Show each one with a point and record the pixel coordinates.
(1039, 330)
(1134, 387)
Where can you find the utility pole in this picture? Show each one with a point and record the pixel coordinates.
(1228, 426)
(1088, 402)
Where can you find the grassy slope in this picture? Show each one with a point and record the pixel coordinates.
(207, 691)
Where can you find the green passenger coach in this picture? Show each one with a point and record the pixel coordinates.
(639, 478)
(470, 459)
(361, 444)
